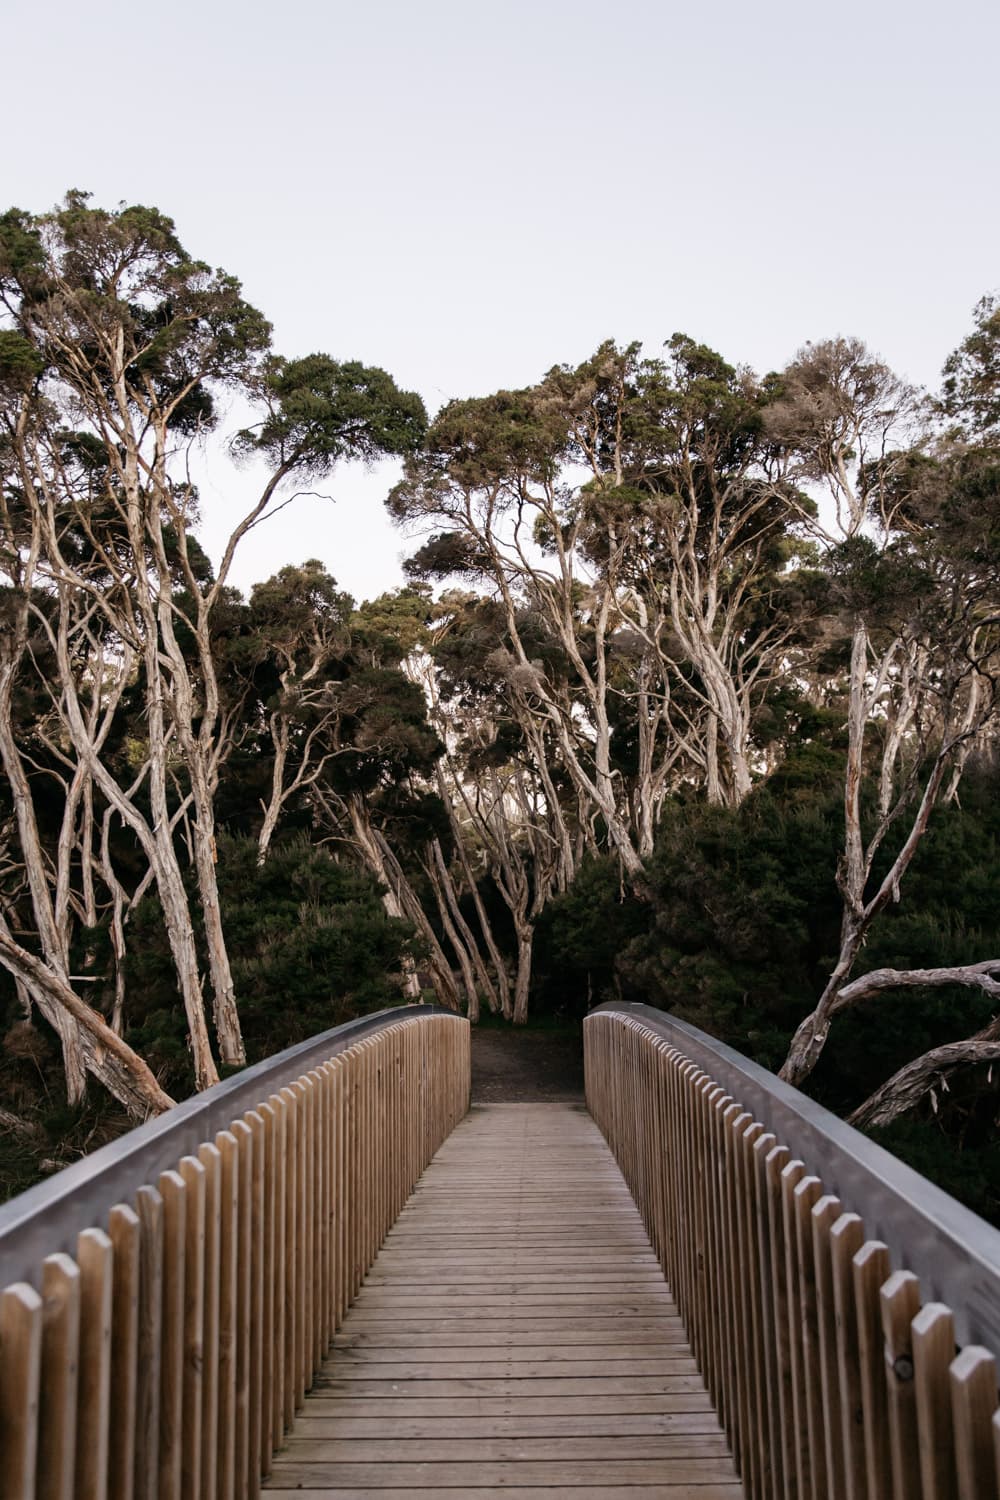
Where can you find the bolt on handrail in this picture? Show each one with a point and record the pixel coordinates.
(792, 1246)
(174, 1294)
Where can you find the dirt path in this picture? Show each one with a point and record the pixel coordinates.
(525, 1067)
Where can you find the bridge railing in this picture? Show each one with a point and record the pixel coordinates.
(167, 1301)
(842, 1308)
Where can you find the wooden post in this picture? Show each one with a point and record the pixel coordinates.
(95, 1257)
(870, 1270)
(194, 1177)
(20, 1374)
(149, 1208)
(229, 1201)
(58, 1378)
(846, 1238)
(900, 1298)
(973, 1380)
(210, 1158)
(172, 1191)
(933, 1336)
(125, 1234)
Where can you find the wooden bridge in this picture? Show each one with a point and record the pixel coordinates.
(329, 1276)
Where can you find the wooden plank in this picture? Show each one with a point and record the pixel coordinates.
(657, 1491)
(566, 1471)
(467, 1425)
(389, 1447)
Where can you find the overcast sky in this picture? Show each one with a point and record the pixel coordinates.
(468, 194)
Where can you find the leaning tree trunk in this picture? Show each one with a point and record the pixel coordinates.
(111, 1061)
(905, 1089)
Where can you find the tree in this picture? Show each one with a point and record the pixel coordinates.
(117, 345)
(915, 595)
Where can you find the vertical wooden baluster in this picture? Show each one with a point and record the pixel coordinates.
(125, 1234)
(279, 1276)
(846, 1238)
(317, 1216)
(758, 1242)
(211, 1161)
(825, 1213)
(933, 1335)
(714, 1102)
(339, 1217)
(172, 1191)
(58, 1378)
(735, 1119)
(746, 1232)
(327, 1223)
(700, 1085)
(807, 1194)
(769, 1398)
(871, 1270)
(900, 1300)
(149, 1208)
(269, 1339)
(371, 1150)
(973, 1380)
(791, 1177)
(303, 1239)
(20, 1374)
(95, 1257)
(290, 1297)
(229, 1221)
(194, 1176)
(241, 1133)
(256, 1460)
(779, 1388)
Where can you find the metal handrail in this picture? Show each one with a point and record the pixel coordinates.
(48, 1217)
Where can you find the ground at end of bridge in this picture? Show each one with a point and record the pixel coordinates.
(526, 1065)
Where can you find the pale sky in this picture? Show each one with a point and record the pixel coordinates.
(468, 194)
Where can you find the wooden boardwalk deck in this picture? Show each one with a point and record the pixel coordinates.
(515, 1337)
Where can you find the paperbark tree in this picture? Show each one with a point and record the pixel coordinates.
(125, 338)
(916, 599)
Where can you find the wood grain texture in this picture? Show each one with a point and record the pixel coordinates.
(491, 1347)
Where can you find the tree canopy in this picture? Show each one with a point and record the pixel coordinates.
(708, 652)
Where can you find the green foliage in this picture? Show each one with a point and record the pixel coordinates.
(310, 945)
(967, 1168)
(578, 939)
(321, 410)
(971, 392)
